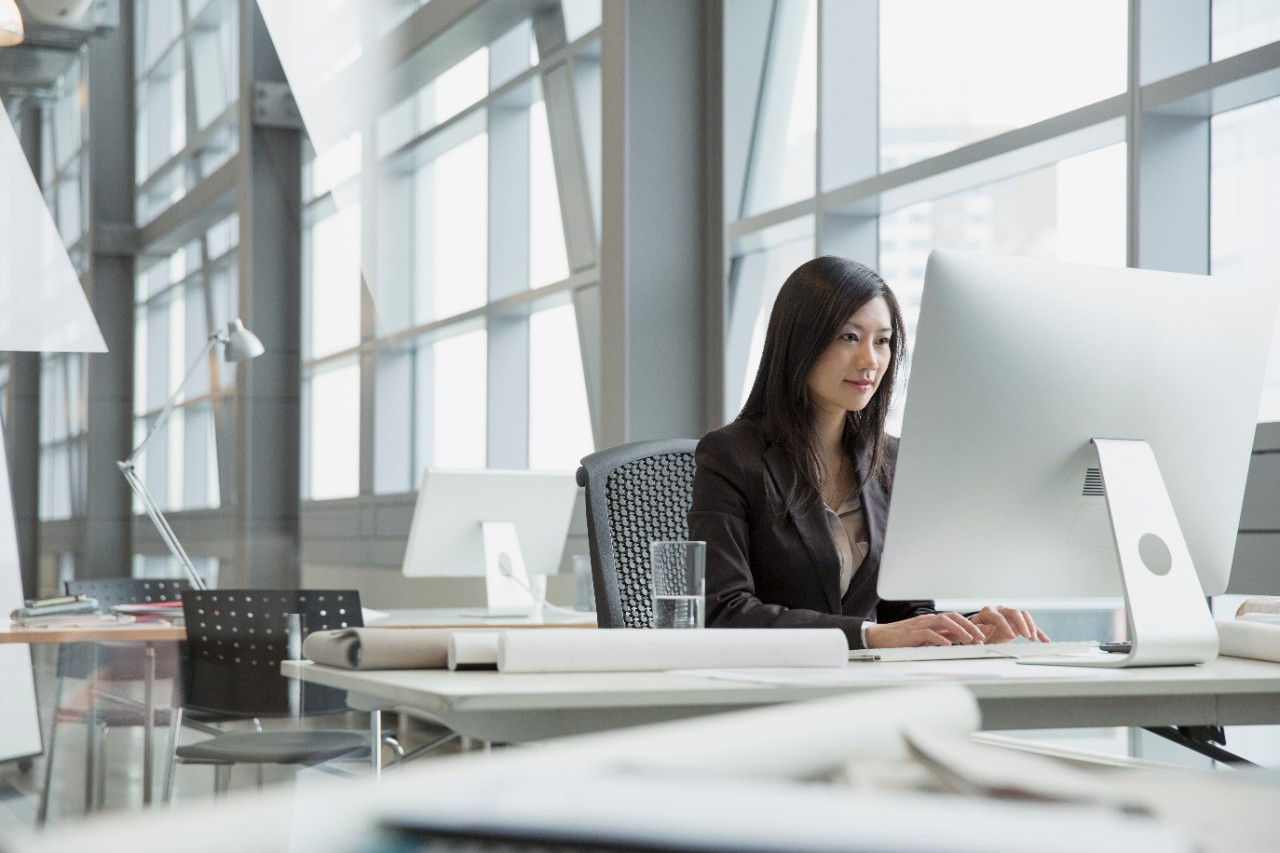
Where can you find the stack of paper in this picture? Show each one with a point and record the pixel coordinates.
(165, 611)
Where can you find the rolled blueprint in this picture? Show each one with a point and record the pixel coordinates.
(575, 650)
(1242, 638)
(473, 650)
(380, 648)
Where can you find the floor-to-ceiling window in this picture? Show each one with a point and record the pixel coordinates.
(918, 138)
(438, 287)
(180, 298)
(444, 216)
(882, 131)
(186, 69)
(64, 179)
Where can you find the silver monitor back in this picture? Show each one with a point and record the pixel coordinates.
(1018, 364)
(445, 538)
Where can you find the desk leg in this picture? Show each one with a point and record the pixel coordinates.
(375, 743)
(91, 734)
(148, 722)
(1201, 739)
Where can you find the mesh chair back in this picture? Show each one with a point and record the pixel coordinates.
(236, 639)
(129, 590)
(636, 494)
(123, 661)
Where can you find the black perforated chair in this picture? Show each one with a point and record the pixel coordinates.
(636, 494)
(236, 639)
(106, 663)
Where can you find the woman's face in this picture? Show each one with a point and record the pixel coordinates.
(845, 377)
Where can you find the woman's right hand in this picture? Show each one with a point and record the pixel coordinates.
(930, 629)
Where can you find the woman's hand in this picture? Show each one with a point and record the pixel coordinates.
(931, 629)
(1001, 624)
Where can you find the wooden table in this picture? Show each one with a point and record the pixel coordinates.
(148, 633)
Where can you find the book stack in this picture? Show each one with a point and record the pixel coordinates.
(1255, 630)
(64, 609)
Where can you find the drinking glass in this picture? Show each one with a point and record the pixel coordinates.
(679, 583)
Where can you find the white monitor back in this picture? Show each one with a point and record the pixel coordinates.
(446, 539)
(1018, 364)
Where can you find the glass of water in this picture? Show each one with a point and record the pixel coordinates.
(679, 583)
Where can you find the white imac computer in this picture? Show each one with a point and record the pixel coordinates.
(1076, 431)
(493, 524)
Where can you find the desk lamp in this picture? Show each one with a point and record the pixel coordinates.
(239, 345)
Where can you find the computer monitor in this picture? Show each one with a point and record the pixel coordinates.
(494, 524)
(1077, 431)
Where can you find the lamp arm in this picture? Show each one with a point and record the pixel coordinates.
(132, 460)
(161, 523)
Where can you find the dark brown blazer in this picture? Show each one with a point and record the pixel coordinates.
(769, 568)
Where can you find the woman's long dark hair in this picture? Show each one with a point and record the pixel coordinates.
(811, 309)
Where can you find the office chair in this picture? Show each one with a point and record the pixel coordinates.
(636, 494)
(114, 662)
(236, 639)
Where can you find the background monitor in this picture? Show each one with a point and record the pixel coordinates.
(531, 509)
(1018, 365)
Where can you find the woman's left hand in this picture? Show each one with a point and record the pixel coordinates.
(1001, 624)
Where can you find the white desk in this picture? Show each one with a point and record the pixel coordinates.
(641, 779)
(525, 707)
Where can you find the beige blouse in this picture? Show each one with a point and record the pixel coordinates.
(849, 533)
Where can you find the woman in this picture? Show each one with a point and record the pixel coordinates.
(792, 497)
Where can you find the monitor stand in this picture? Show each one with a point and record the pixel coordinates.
(506, 580)
(1169, 619)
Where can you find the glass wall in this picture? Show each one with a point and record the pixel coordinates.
(1241, 25)
(64, 163)
(921, 138)
(946, 77)
(180, 299)
(1246, 210)
(62, 435)
(186, 119)
(64, 179)
(186, 58)
(439, 295)
(882, 131)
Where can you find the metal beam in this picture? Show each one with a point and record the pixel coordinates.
(507, 342)
(22, 421)
(654, 234)
(560, 98)
(107, 546)
(268, 417)
(1169, 149)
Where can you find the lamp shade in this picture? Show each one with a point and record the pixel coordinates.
(241, 343)
(11, 31)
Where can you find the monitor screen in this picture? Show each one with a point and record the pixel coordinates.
(1018, 365)
(446, 537)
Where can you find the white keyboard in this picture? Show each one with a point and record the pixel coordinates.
(970, 652)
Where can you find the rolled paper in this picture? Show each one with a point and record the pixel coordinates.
(1242, 638)
(380, 648)
(570, 650)
(473, 650)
